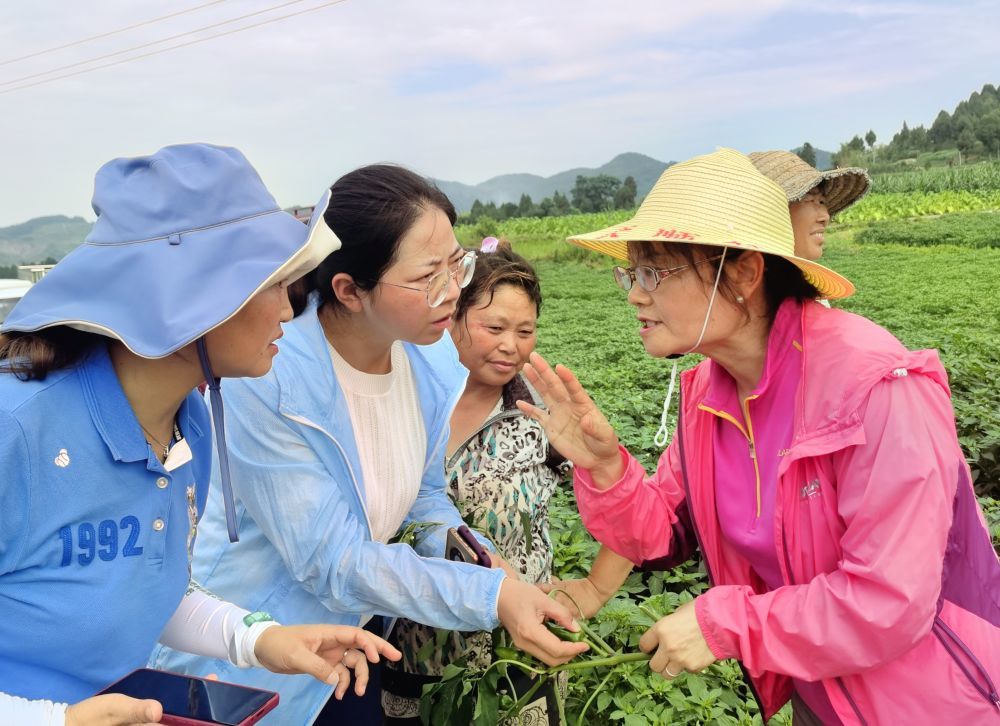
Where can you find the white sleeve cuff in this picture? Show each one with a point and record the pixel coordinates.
(205, 625)
(242, 647)
(17, 710)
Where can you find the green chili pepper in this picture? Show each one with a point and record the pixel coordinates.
(564, 634)
(508, 653)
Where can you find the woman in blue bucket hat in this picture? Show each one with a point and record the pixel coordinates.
(106, 447)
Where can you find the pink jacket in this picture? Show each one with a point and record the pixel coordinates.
(892, 587)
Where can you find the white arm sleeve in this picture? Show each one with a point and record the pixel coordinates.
(14, 709)
(205, 625)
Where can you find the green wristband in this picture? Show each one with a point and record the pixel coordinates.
(257, 617)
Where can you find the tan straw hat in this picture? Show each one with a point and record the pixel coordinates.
(842, 187)
(718, 199)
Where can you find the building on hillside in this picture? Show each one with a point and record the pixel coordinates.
(32, 273)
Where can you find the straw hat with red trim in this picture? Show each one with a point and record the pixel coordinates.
(722, 200)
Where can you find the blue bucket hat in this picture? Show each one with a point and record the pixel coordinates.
(184, 238)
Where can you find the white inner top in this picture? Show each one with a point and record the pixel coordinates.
(389, 431)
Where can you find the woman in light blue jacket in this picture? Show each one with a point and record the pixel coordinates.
(343, 443)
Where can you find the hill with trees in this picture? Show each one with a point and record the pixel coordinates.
(38, 240)
(969, 133)
(509, 188)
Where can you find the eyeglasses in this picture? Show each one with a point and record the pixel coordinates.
(649, 278)
(437, 286)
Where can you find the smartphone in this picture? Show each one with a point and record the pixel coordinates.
(462, 546)
(193, 701)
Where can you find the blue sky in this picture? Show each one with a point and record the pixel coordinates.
(465, 90)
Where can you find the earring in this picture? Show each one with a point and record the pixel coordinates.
(739, 299)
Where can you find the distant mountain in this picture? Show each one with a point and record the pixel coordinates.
(41, 238)
(509, 187)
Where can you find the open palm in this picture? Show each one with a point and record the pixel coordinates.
(572, 422)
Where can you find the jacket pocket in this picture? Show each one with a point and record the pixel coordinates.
(966, 661)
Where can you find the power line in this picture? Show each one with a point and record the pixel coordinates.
(174, 47)
(147, 45)
(109, 33)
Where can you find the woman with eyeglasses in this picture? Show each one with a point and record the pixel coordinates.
(502, 474)
(343, 443)
(815, 466)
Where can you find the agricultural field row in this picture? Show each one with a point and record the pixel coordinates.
(878, 206)
(972, 229)
(984, 176)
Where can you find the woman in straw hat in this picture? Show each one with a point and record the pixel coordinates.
(815, 465)
(106, 447)
(814, 196)
(342, 444)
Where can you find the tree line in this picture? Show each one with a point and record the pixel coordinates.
(972, 130)
(589, 194)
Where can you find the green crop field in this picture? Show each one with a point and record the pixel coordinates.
(984, 176)
(901, 205)
(943, 296)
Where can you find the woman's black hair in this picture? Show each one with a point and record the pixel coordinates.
(32, 356)
(493, 269)
(370, 210)
(782, 279)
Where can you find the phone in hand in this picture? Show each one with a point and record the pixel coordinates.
(462, 546)
(193, 701)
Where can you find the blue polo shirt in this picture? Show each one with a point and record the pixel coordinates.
(93, 530)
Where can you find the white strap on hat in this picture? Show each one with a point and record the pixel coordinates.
(663, 433)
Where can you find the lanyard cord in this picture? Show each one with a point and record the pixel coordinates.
(663, 433)
(219, 423)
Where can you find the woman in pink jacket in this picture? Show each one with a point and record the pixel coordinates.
(815, 465)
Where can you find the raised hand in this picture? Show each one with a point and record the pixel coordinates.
(572, 422)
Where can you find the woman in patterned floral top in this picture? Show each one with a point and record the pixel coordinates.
(501, 473)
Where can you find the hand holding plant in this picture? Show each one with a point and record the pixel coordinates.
(678, 643)
(523, 610)
(572, 422)
(488, 698)
(582, 594)
(608, 572)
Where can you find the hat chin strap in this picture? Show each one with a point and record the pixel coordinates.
(663, 433)
(218, 422)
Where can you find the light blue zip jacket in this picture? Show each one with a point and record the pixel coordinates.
(306, 554)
